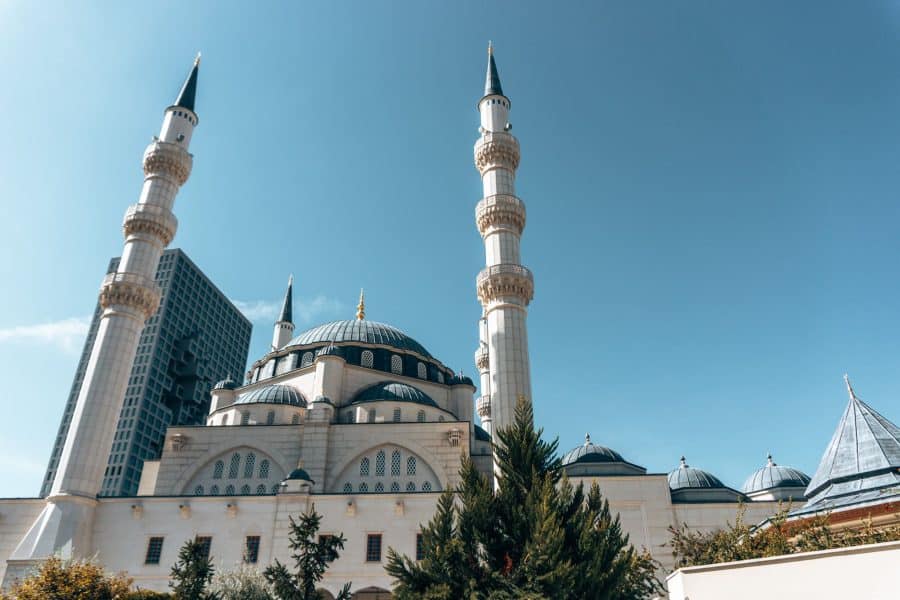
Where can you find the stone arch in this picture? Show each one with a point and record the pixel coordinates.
(362, 473)
(275, 456)
(204, 475)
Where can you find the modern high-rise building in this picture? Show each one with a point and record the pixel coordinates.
(197, 337)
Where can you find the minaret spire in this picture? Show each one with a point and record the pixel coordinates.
(284, 326)
(361, 307)
(850, 391)
(188, 94)
(492, 85)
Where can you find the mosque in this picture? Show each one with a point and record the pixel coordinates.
(361, 420)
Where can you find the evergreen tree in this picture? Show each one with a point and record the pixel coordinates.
(535, 537)
(311, 559)
(192, 572)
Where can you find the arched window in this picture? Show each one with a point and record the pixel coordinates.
(379, 487)
(411, 465)
(441, 418)
(275, 488)
(198, 491)
(440, 377)
(396, 365)
(426, 487)
(395, 487)
(367, 359)
(260, 490)
(379, 464)
(218, 470)
(307, 359)
(295, 419)
(234, 465)
(410, 487)
(397, 415)
(214, 490)
(364, 467)
(395, 463)
(229, 490)
(421, 371)
(245, 417)
(245, 489)
(364, 487)
(421, 416)
(348, 488)
(270, 417)
(248, 465)
(264, 469)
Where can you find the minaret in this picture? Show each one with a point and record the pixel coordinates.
(505, 287)
(128, 297)
(284, 326)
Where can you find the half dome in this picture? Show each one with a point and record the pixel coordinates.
(360, 330)
(393, 391)
(272, 394)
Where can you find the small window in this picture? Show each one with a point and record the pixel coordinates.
(364, 467)
(426, 487)
(260, 490)
(364, 488)
(396, 365)
(441, 418)
(214, 490)
(373, 547)
(379, 464)
(218, 470)
(368, 359)
(249, 465)
(275, 488)
(229, 490)
(348, 488)
(420, 417)
(397, 415)
(245, 490)
(307, 359)
(264, 469)
(270, 418)
(251, 549)
(411, 465)
(440, 377)
(410, 487)
(295, 419)
(395, 487)
(379, 487)
(234, 466)
(198, 491)
(245, 417)
(420, 546)
(421, 371)
(371, 415)
(205, 544)
(154, 551)
(395, 463)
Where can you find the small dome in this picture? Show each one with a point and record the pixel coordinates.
(360, 330)
(461, 379)
(589, 452)
(774, 476)
(323, 400)
(686, 476)
(272, 394)
(226, 384)
(393, 391)
(299, 474)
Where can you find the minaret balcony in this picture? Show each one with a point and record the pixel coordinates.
(498, 282)
(500, 211)
(150, 219)
(168, 159)
(482, 359)
(483, 406)
(496, 149)
(130, 289)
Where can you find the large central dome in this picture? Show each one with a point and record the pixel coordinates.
(360, 330)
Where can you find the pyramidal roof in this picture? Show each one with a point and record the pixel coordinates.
(864, 452)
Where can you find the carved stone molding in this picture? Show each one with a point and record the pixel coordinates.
(130, 289)
(150, 219)
(483, 406)
(482, 359)
(496, 149)
(504, 280)
(168, 160)
(178, 442)
(453, 437)
(500, 210)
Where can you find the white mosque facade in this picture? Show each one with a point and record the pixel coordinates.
(353, 417)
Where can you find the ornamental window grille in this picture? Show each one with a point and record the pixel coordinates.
(198, 491)
(368, 359)
(295, 420)
(307, 359)
(275, 488)
(397, 415)
(426, 487)
(420, 417)
(245, 490)
(441, 418)
(364, 487)
(234, 466)
(264, 469)
(251, 549)
(421, 371)
(379, 464)
(420, 546)
(270, 417)
(411, 465)
(395, 463)
(218, 470)
(410, 487)
(396, 365)
(379, 487)
(249, 465)
(348, 488)
(245, 417)
(154, 551)
(229, 490)
(395, 487)
(260, 490)
(373, 547)
(364, 467)
(214, 490)
(205, 543)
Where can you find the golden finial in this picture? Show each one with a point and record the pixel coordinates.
(361, 307)
(197, 60)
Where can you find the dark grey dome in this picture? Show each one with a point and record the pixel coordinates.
(300, 474)
(461, 379)
(330, 350)
(774, 476)
(589, 452)
(226, 384)
(393, 391)
(686, 476)
(360, 330)
(272, 394)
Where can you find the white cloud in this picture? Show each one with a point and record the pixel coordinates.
(305, 310)
(67, 335)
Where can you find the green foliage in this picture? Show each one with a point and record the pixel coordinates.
(740, 541)
(192, 573)
(311, 560)
(69, 580)
(146, 595)
(536, 537)
(244, 583)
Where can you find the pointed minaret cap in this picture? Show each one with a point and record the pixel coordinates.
(361, 307)
(492, 85)
(850, 391)
(287, 309)
(188, 93)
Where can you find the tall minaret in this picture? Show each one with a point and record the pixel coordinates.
(504, 287)
(284, 326)
(128, 297)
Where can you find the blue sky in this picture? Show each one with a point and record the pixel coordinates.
(712, 192)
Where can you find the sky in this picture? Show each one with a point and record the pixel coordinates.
(712, 193)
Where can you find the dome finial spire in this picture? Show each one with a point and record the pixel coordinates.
(361, 307)
(850, 391)
(769, 460)
(587, 439)
(683, 462)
